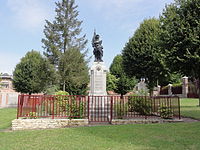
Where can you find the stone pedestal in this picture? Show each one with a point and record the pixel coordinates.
(98, 73)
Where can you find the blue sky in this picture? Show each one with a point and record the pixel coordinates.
(22, 23)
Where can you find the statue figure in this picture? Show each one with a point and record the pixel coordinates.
(98, 48)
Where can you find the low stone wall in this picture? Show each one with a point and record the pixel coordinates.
(29, 124)
(143, 121)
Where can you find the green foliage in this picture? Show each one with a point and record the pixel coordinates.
(180, 25)
(175, 78)
(142, 56)
(73, 70)
(51, 90)
(61, 93)
(33, 74)
(61, 100)
(64, 32)
(125, 84)
(64, 47)
(116, 68)
(165, 112)
(68, 105)
(111, 82)
(32, 115)
(121, 84)
(142, 105)
(75, 109)
(120, 109)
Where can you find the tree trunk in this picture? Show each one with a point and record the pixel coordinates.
(150, 92)
(121, 96)
(64, 86)
(199, 90)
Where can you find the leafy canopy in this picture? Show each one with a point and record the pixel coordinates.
(180, 23)
(142, 57)
(33, 74)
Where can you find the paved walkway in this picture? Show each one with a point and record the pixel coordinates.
(186, 119)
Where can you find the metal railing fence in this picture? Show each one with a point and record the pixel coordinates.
(97, 108)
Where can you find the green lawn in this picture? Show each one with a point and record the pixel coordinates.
(6, 116)
(176, 136)
(172, 136)
(189, 108)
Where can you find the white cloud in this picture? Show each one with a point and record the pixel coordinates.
(29, 14)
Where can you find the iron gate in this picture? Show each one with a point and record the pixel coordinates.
(100, 109)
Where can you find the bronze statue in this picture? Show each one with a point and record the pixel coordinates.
(98, 48)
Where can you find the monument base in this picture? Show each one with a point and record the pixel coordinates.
(98, 73)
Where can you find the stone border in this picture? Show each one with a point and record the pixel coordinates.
(30, 124)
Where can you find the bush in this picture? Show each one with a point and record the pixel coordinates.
(71, 106)
(61, 99)
(61, 93)
(165, 112)
(120, 110)
(32, 115)
(142, 105)
(75, 108)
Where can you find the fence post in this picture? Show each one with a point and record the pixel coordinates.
(111, 109)
(145, 105)
(170, 89)
(53, 108)
(18, 106)
(88, 108)
(179, 109)
(21, 102)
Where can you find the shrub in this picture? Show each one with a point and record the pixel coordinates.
(32, 115)
(142, 105)
(61, 93)
(120, 110)
(61, 100)
(75, 108)
(165, 112)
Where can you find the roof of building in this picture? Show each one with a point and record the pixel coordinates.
(6, 76)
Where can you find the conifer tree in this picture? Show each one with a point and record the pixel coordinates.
(62, 37)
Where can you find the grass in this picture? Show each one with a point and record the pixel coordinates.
(176, 136)
(147, 136)
(189, 108)
(6, 116)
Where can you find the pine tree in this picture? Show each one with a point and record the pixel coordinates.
(61, 36)
(74, 72)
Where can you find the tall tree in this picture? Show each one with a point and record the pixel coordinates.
(180, 23)
(116, 66)
(62, 35)
(33, 74)
(111, 82)
(74, 72)
(123, 84)
(141, 55)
